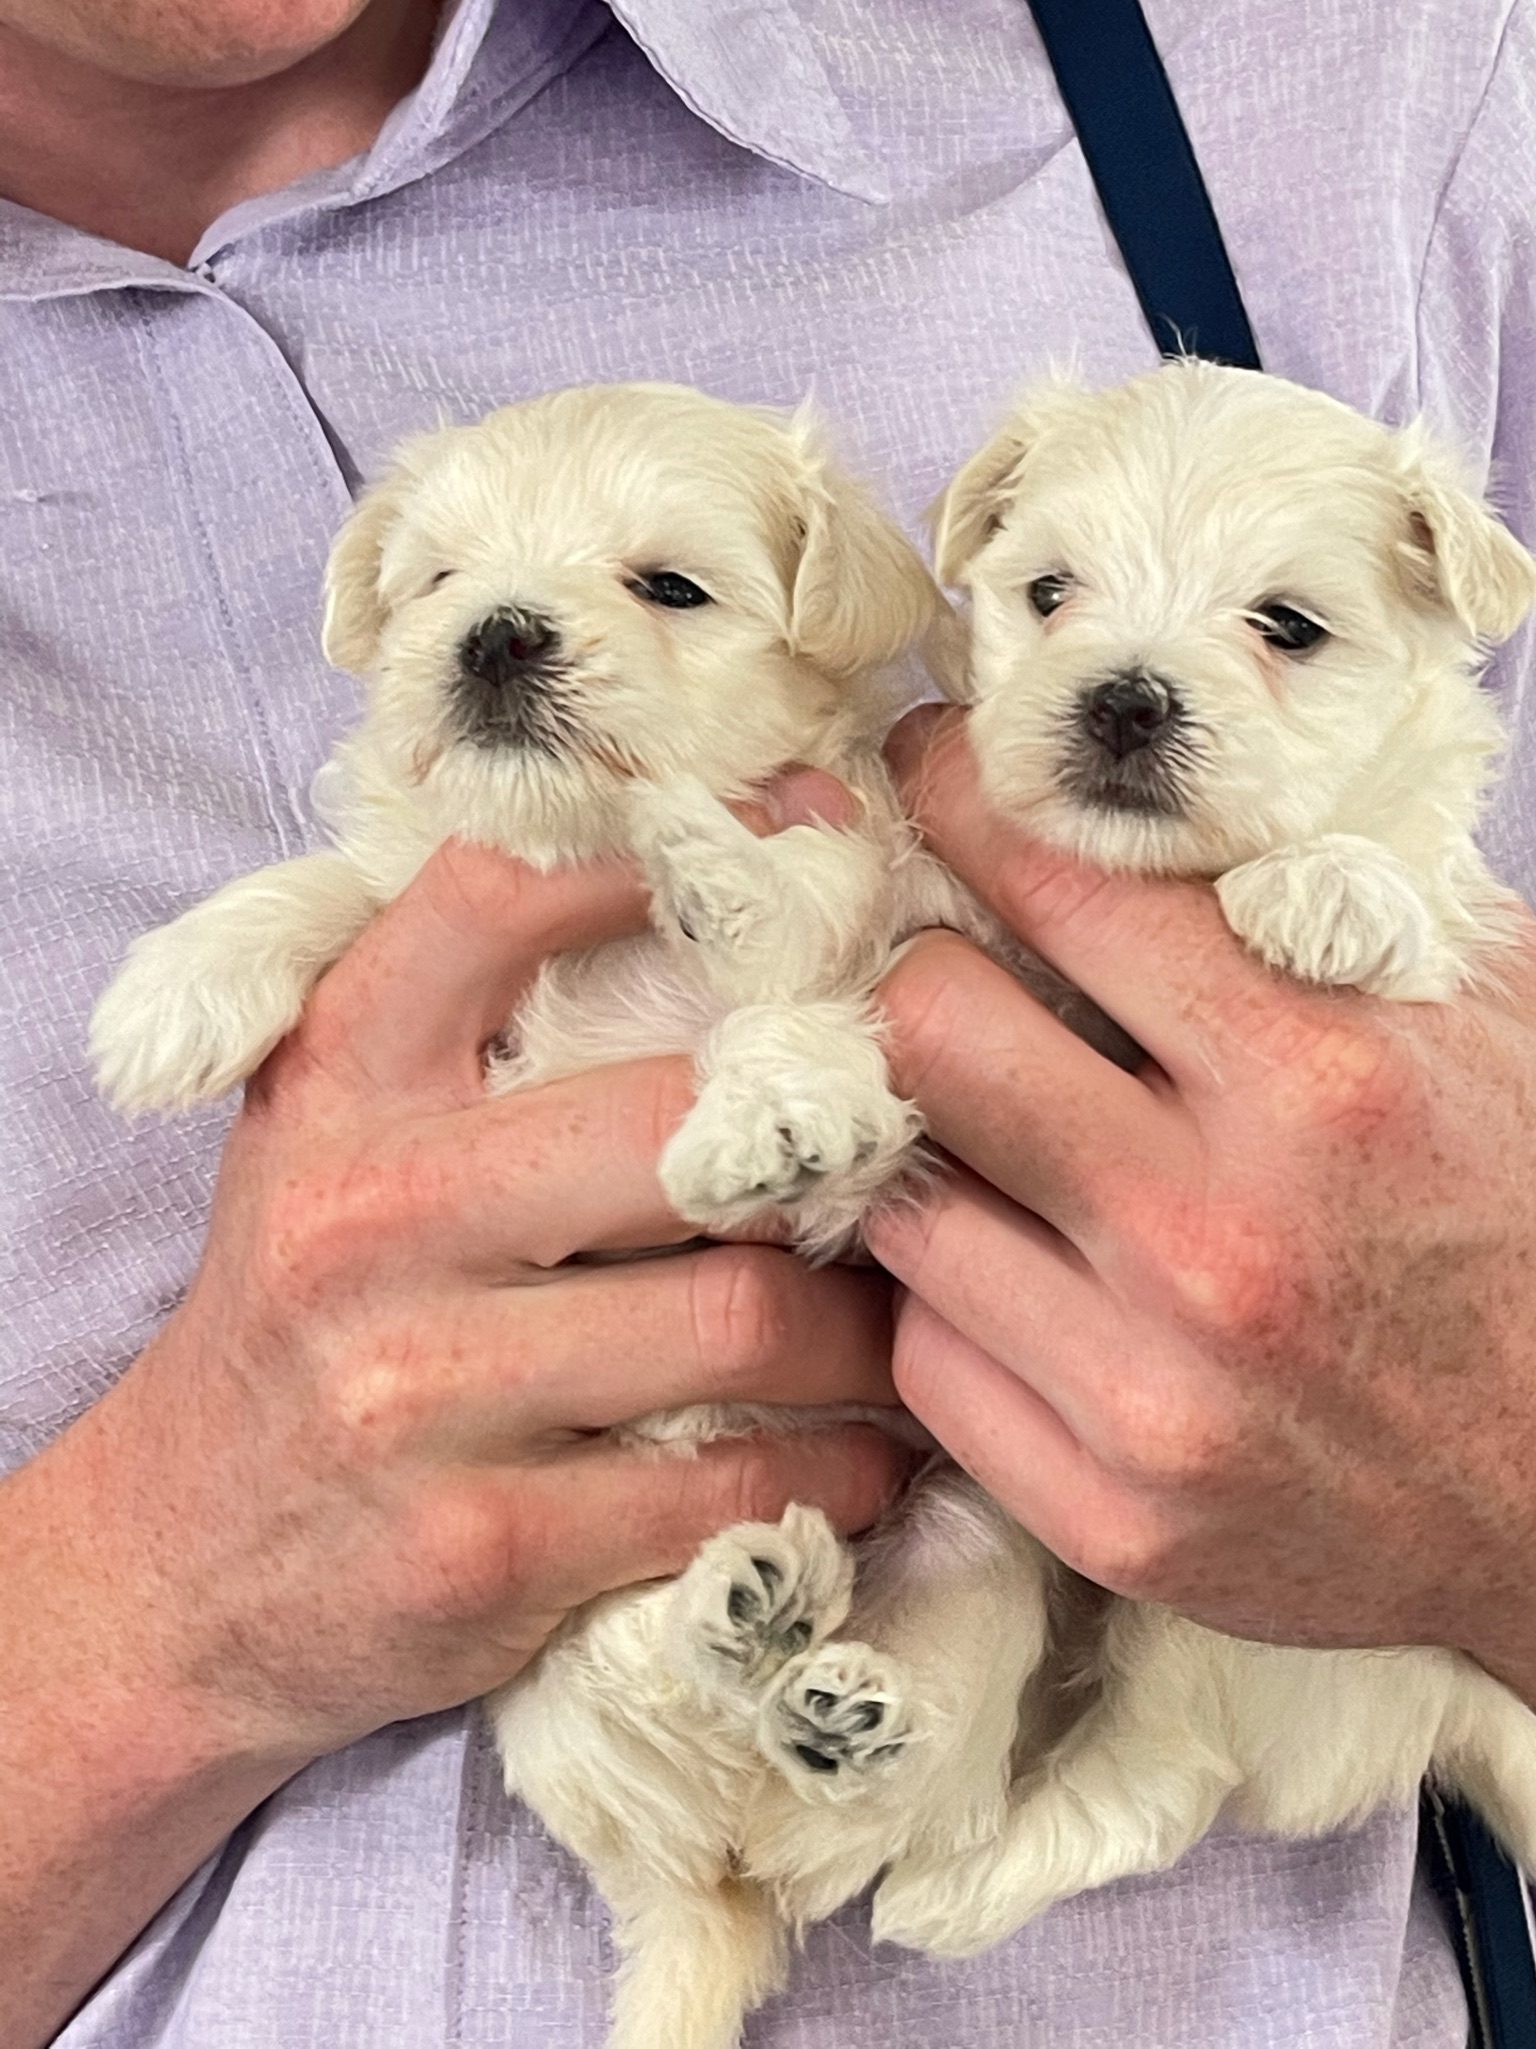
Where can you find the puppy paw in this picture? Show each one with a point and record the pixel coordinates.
(163, 1039)
(800, 1136)
(944, 1909)
(1343, 912)
(837, 1720)
(758, 1595)
(709, 877)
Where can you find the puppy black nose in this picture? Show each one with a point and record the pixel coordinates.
(503, 647)
(1127, 713)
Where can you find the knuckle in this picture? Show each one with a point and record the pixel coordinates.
(375, 1400)
(739, 1312)
(318, 1226)
(752, 1488)
(1136, 1557)
(926, 1007)
(1037, 889)
(664, 1094)
(1346, 1068)
(1226, 1266)
(1165, 1446)
(461, 1551)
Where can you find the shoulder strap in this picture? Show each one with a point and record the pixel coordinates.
(1149, 185)
(1486, 1907)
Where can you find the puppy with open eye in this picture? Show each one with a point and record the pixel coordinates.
(1226, 627)
(586, 622)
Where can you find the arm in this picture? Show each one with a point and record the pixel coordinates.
(1249, 1332)
(356, 1478)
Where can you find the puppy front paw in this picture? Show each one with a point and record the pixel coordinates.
(756, 1596)
(802, 1139)
(1344, 912)
(709, 878)
(170, 1032)
(837, 1720)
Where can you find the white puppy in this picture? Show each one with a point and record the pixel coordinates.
(585, 622)
(1226, 627)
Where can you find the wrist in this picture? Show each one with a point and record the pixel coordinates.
(109, 1678)
(120, 1780)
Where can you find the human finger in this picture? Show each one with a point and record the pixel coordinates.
(1008, 1437)
(409, 1009)
(798, 796)
(651, 1509)
(1010, 1285)
(540, 1176)
(1004, 1086)
(738, 1323)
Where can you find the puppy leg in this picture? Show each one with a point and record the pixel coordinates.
(1136, 1784)
(838, 1719)
(1346, 912)
(903, 1752)
(794, 1109)
(199, 1004)
(696, 1963)
(644, 1776)
(775, 919)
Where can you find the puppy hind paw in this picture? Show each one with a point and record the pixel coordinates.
(757, 1595)
(838, 1719)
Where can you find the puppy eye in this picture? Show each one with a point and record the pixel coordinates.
(1286, 628)
(1048, 593)
(442, 576)
(666, 587)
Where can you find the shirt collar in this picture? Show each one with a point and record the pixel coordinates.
(757, 73)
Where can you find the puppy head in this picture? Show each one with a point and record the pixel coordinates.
(609, 582)
(1205, 604)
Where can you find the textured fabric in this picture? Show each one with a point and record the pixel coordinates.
(877, 199)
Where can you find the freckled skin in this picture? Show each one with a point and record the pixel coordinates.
(360, 1475)
(1273, 1359)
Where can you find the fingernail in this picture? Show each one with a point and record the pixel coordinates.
(808, 796)
(911, 737)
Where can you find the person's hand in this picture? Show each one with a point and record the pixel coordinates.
(1252, 1332)
(358, 1475)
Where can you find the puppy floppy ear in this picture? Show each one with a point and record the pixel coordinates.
(355, 610)
(860, 594)
(1456, 550)
(970, 511)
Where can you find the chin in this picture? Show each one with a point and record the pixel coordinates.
(546, 809)
(1108, 836)
(197, 44)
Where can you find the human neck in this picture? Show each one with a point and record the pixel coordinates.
(151, 166)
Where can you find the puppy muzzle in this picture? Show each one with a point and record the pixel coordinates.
(507, 688)
(1129, 746)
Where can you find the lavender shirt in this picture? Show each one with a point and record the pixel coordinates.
(878, 199)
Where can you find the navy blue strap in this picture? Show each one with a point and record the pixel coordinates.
(1149, 184)
(1484, 1903)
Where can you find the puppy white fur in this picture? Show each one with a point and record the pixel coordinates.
(1138, 562)
(739, 1751)
(585, 622)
